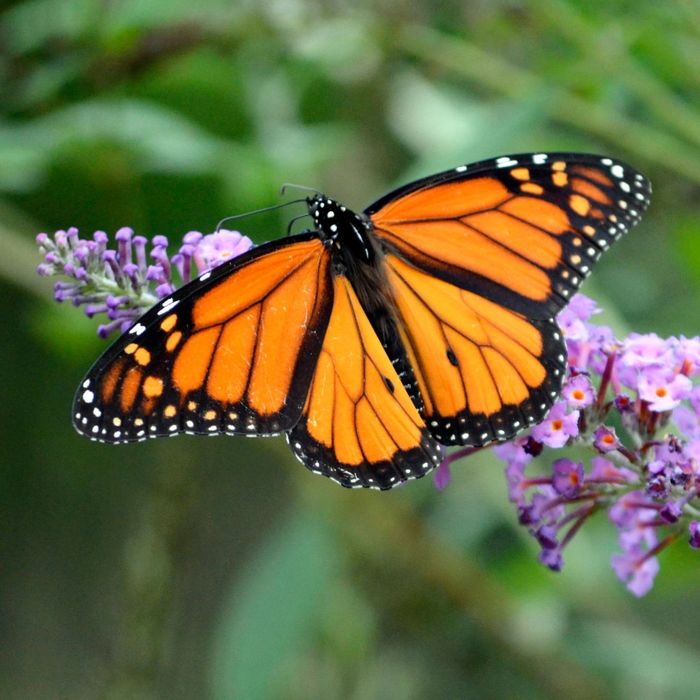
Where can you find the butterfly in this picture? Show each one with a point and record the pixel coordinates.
(372, 340)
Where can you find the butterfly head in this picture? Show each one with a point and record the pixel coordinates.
(341, 226)
(328, 215)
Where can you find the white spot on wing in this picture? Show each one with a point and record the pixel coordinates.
(168, 304)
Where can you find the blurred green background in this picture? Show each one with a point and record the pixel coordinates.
(196, 568)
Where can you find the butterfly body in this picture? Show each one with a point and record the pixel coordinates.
(377, 337)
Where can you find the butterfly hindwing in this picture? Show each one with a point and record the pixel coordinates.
(522, 231)
(232, 351)
(484, 371)
(359, 426)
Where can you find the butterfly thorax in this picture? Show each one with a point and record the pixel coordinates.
(342, 228)
(355, 252)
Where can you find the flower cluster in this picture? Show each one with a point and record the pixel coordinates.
(126, 282)
(647, 478)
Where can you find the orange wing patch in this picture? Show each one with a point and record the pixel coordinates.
(233, 353)
(449, 201)
(484, 371)
(359, 426)
(522, 230)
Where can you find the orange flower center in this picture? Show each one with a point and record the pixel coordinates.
(661, 392)
(557, 424)
(578, 394)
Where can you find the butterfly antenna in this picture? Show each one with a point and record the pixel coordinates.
(298, 187)
(257, 211)
(293, 221)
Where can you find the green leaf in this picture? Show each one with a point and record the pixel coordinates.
(271, 613)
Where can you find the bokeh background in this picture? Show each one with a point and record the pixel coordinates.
(195, 568)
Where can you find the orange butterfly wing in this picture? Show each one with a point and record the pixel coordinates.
(232, 351)
(522, 231)
(479, 260)
(484, 371)
(359, 426)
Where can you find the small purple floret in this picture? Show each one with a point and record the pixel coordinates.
(567, 477)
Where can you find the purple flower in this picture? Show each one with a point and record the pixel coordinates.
(636, 570)
(552, 558)
(694, 530)
(687, 420)
(578, 391)
(688, 354)
(516, 459)
(662, 393)
(217, 248)
(580, 307)
(625, 511)
(605, 439)
(556, 429)
(603, 470)
(120, 283)
(647, 484)
(568, 477)
(644, 350)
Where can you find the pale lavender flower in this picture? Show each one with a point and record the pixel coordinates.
(442, 475)
(605, 439)
(216, 248)
(663, 393)
(124, 282)
(556, 429)
(636, 570)
(568, 477)
(578, 391)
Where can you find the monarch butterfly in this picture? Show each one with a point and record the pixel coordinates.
(375, 338)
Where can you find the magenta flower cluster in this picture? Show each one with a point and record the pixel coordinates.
(124, 283)
(647, 477)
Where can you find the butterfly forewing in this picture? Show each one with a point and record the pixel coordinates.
(522, 231)
(232, 352)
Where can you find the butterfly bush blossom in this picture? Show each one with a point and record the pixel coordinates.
(125, 282)
(630, 405)
(632, 408)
